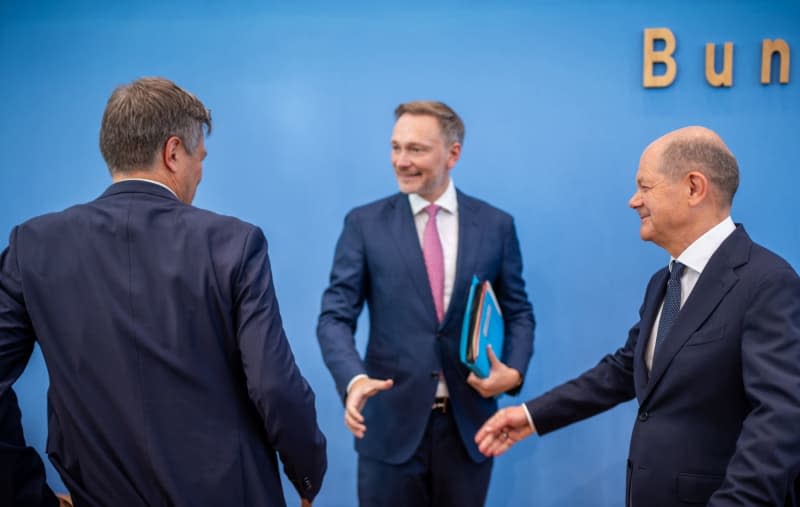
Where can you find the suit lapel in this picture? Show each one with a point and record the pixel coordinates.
(651, 305)
(469, 244)
(404, 233)
(717, 279)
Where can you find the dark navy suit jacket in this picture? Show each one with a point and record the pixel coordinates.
(22, 476)
(379, 261)
(171, 378)
(719, 414)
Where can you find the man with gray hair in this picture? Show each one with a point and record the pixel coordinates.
(171, 379)
(714, 361)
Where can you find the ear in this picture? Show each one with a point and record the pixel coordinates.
(698, 187)
(454, 153)
(171, 153)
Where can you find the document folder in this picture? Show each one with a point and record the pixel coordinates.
(483, 325)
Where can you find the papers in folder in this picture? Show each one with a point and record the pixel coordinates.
(483, 325)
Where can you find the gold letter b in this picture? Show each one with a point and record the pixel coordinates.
(651, 57)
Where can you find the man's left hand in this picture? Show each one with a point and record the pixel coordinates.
(501, 377)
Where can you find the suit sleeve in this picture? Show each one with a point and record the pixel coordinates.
(21, 467)
(597, 390)
(282, 396)
(342, 303)
(767, 455)
(16, 332)
(517, 310)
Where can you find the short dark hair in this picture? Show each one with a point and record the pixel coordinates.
(142, 115)
(450, 123)
(707, 157)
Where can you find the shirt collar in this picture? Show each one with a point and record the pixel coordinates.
(149, 181)
(697, 255)
(447, 201)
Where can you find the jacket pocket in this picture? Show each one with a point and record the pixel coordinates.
(696, 488)
(706, 336)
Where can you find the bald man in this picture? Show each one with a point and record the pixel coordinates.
(714, 360)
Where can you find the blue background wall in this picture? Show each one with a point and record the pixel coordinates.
(302, 97)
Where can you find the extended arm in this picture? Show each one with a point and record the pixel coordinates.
(274, 382)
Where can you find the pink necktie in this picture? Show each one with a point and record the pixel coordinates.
(434, 259)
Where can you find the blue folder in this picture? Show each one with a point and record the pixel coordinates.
(483, 325)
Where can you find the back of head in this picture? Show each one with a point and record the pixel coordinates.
(450, 123)
(701, 150)
(142, 115)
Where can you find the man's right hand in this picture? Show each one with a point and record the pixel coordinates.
(361, 390)
(504, 429)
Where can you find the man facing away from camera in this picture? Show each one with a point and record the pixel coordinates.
(171, 378)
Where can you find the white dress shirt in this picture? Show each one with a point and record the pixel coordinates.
(695, 258)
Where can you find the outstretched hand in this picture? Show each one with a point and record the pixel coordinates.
(504, 429)
(361, 390)
(501, 377)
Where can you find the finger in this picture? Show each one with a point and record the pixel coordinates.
(356, 428)
(376, 386)
(485, 430)
(382, 385)
(473, 380)
(492, 444)
(485, 443)
(354, 412)
(493, 361)
(501, 443)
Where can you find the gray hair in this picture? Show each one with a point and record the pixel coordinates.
(707, 157)
(142, 115)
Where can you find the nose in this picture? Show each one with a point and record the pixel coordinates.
(635, 201)
(400, 158)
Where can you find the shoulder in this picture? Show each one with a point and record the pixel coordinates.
(377, 208)
(768, 263)
(751, 259)
(483, 209)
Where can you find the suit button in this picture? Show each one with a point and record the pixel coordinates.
(435, 374)
(644, 415)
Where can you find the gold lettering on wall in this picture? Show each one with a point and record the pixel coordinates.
(768, 48)
(652, 57)
(724, 78)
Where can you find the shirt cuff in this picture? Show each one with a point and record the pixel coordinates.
(528, 415)
(360, 376)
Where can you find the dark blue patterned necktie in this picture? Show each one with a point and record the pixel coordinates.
(672, 302)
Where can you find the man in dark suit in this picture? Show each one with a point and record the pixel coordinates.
(414, 438)
(714, 360)
(171, 379)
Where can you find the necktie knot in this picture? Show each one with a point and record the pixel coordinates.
(676, 270)
(431, 210)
